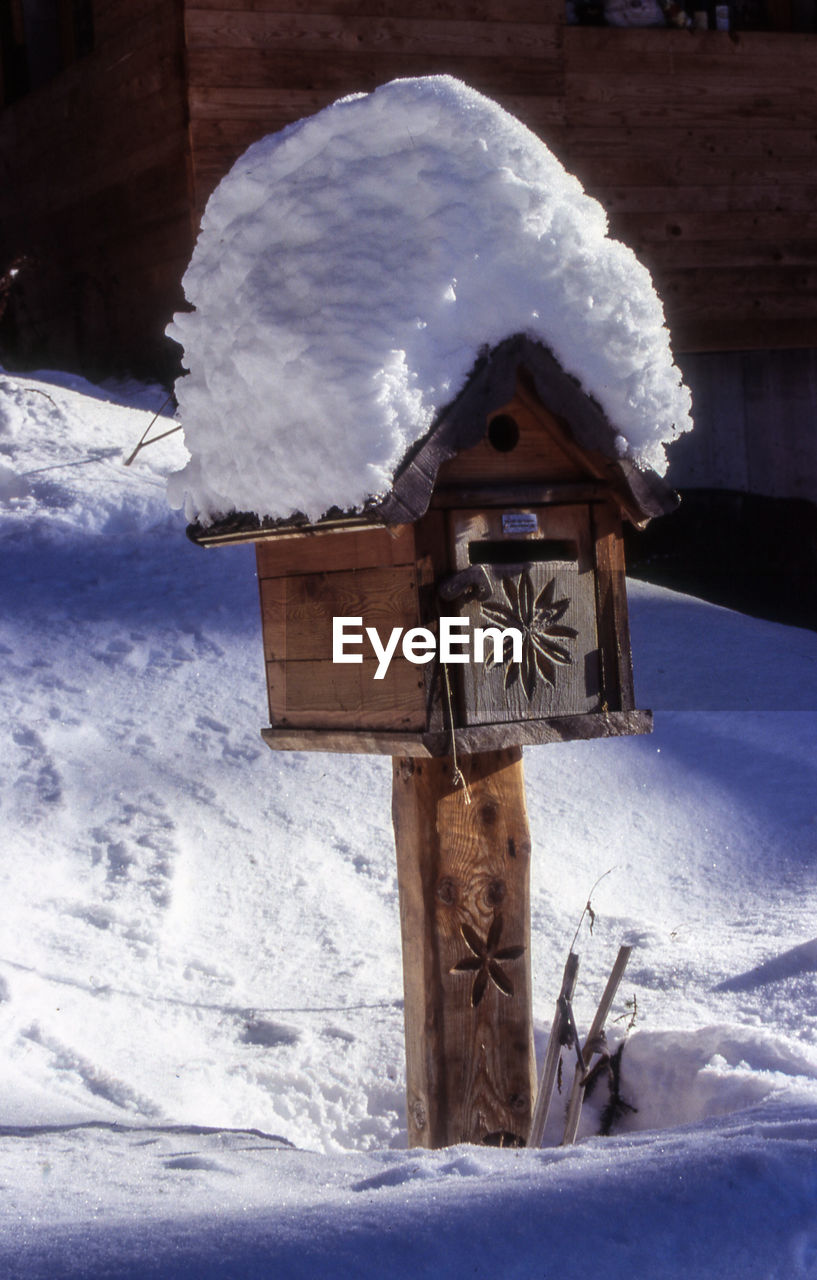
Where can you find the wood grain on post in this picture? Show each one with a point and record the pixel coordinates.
(463, 871)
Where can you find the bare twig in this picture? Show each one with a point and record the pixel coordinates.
(632, 1013)
(38, 391)
(143, 443)
(588, 909)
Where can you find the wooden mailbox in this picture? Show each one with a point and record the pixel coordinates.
(508, 513)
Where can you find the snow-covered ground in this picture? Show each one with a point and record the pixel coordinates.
(200, 979)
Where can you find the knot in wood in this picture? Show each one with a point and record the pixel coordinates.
(522, 849)
(447, 891)
(406, 768)
(495, 893)
(419, 1114)
(488, 815)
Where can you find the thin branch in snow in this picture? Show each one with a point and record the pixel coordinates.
(588, 909)
(143, 443)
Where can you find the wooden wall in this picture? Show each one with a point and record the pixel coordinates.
(754, 424)
(95, 190)
(255, 65)
(702, 146)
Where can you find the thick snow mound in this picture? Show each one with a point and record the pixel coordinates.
(351, 268)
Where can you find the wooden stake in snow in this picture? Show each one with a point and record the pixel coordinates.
(592, 1045)
(555, 1041)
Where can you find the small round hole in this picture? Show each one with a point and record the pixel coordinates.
(503, 433)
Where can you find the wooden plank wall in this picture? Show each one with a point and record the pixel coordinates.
(703, 148)
(700, 145)
(754, 424)
(96, 192)
(256, 65)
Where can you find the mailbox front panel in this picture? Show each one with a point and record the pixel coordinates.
(539, 565)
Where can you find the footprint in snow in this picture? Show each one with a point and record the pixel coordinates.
(138, 848)
(66, 1061)
(197, 1163)
(38, 779)
(395, 1177)
(210, 734)
(270, 1035)
(200, 969)
(114, 652)
(211, 724)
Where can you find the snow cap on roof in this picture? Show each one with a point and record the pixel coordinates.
(350, 270)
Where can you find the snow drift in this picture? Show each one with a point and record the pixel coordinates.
(351, 268)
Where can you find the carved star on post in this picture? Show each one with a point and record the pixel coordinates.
(484, 960)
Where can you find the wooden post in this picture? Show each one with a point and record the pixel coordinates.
(463, 871)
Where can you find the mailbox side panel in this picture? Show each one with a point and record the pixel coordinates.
(611, 607)
(304, 583)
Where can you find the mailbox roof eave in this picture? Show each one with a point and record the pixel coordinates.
(641, 492)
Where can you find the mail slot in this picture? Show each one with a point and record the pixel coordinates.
(515, 552)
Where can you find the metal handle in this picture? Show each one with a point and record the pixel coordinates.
(470, 583)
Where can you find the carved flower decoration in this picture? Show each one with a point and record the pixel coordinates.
(484, 959)
(539, 620)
